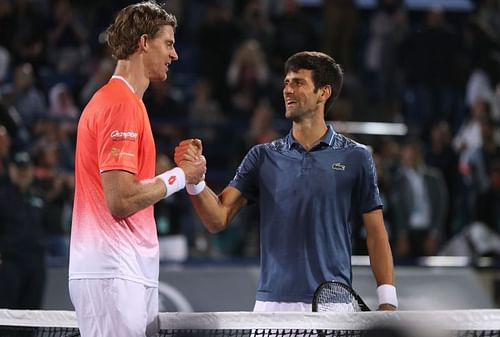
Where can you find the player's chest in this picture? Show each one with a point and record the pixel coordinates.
(313, 171)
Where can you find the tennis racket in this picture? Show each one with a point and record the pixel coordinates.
(337, 296)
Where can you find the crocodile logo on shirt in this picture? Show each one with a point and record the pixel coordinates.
(338, 167)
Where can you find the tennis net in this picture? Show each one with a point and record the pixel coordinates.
(458, 323)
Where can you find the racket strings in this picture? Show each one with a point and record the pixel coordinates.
(335, 298)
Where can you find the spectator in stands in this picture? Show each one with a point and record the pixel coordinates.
(55, 185)
(22, 238)
(390, 154)
(12, 122)
(484, 165)
(51, 133)
(205, 113)
(466, 141)
(481, 86)
(248, 78)
(441, 155)
(67, 37)
(482, 43)
(468, 138)
(421, 199)
(61, 104)
(24, 96)
(62, 108)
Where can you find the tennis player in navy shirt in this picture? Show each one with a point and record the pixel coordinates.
(309, 185)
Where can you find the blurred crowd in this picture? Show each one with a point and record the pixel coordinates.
(436, 70)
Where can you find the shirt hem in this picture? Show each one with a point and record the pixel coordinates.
(266, 297)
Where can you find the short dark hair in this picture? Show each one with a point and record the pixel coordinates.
(325, 71)
(131, 22)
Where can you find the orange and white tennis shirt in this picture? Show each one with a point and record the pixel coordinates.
(114, 133)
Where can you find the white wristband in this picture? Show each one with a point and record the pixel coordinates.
(386, 294)
(174, 180)
(193, 189)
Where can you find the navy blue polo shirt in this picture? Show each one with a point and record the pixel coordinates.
(307, 200)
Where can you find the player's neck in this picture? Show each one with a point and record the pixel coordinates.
(133, 73)
(309, 132)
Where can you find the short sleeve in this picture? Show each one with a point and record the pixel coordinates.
(118, 136)
(246, 177)
(369, 195)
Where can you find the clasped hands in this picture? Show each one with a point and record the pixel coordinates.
(188, 156)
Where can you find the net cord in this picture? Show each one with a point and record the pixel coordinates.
(38, 318)
(479, 319)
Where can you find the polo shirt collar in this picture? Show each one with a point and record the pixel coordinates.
(326, 140)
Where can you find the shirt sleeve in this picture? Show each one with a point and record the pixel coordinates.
(246, 177)
(369, 195)
(118, 137)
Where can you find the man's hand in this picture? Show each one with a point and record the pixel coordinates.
(188, 150)
(188, 156)
(194, 170)
(386, 307)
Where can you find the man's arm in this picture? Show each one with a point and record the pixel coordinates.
(217, 211)
(126, 195)
(379, 251)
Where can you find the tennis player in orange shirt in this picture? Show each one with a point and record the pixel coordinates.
(114, 253)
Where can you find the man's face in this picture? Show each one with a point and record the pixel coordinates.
(160, 54)
(301, 100)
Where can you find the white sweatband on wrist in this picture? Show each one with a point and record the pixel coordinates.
(174, 180)
(193, 189)
(386, 294)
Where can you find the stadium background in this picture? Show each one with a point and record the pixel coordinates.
(430, 66)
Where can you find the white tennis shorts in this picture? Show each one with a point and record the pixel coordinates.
(114, 307)
(267, 306)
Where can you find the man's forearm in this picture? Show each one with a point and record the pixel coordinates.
(210, 210)
(381, 260)
(383, 270)
(125, 195)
